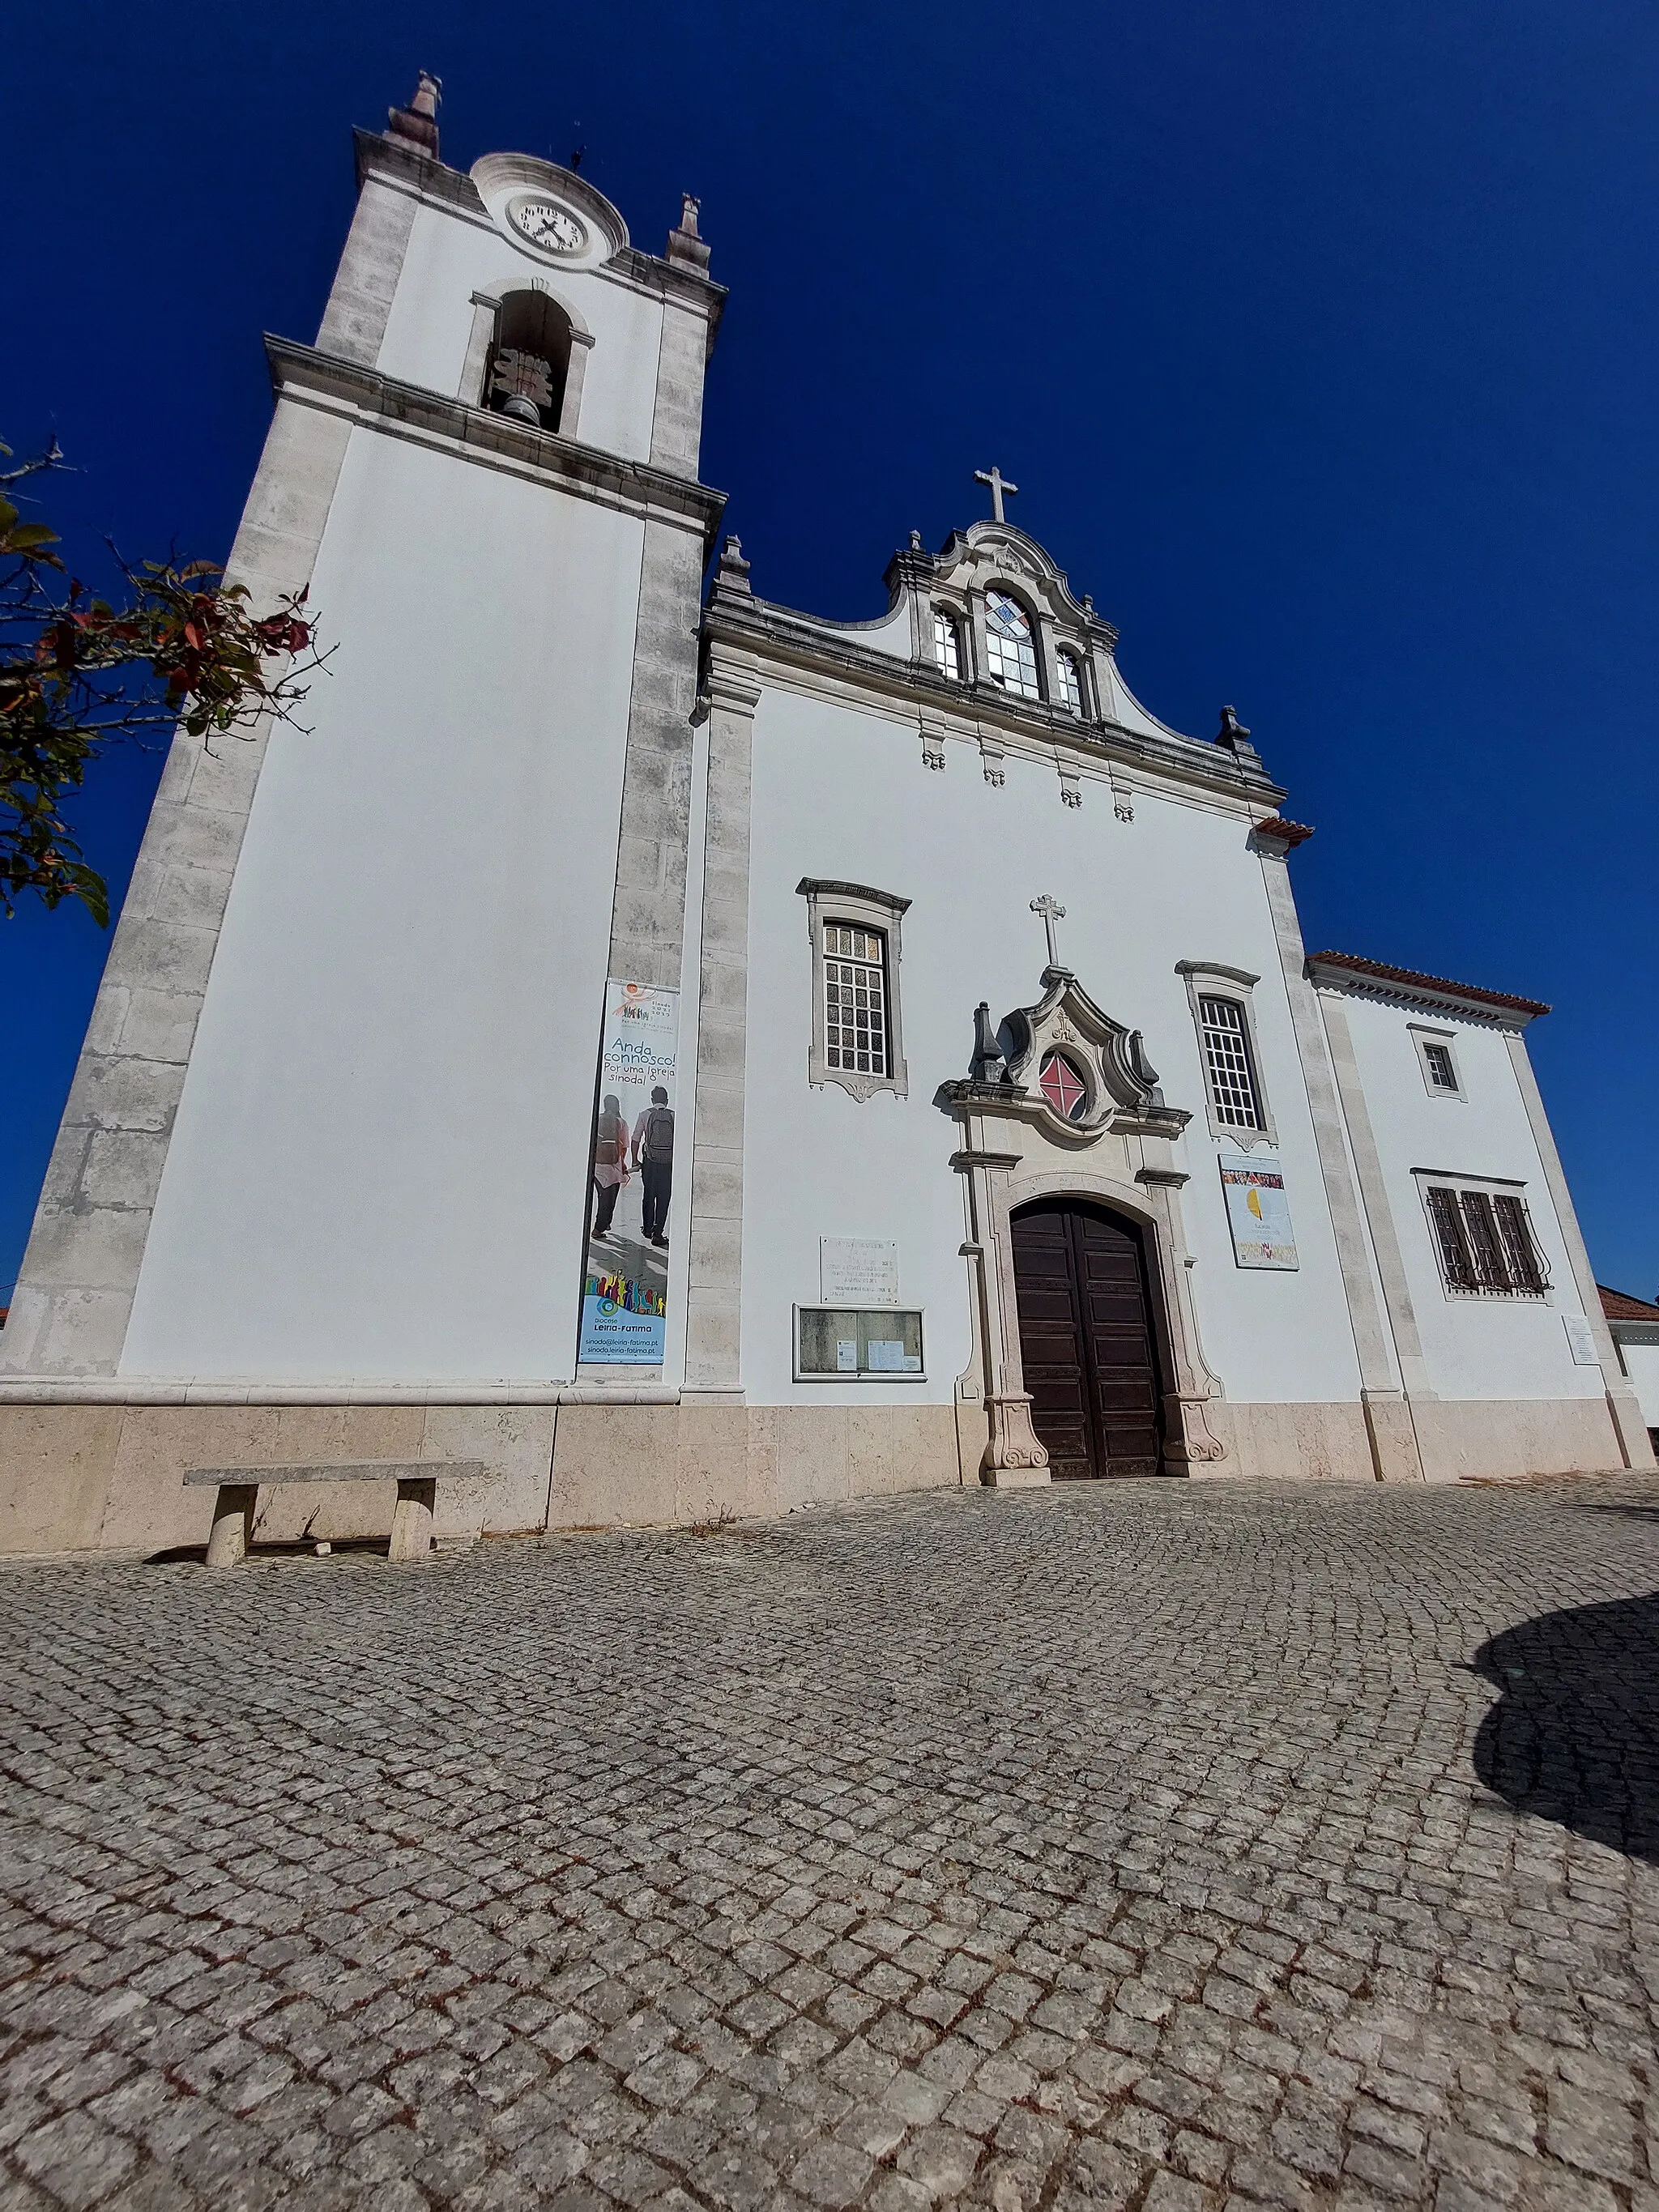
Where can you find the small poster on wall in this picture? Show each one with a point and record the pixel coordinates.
(1258, 1213)
(625, 1284)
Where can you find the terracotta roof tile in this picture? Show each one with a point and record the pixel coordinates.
(1618, 1306)
(1412, 978)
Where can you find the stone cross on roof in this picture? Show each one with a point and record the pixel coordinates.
(1051, 913)
(1000, 486)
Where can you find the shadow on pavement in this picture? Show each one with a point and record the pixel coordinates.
(1575, 1736)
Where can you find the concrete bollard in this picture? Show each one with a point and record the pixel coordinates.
(411, 1520)
(233, 1523)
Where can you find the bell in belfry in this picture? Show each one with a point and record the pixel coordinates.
(521, 386)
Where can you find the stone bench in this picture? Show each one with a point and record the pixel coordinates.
(411, 1518)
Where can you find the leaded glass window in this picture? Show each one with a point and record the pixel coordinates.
(1227, 1062)
(1010, 656)
(1063, 1087)
(946, 651)
(855, 998)
(1070, 696)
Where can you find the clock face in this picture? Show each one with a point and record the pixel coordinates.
(555, 229)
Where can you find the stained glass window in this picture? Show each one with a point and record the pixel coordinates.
(855, 998)
(945, 650)
(1009, 652)
(1063, 1087)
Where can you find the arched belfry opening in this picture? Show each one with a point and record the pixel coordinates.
(1088, 1338)
(529, 364)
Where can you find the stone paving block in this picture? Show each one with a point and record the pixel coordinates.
(1179, 1881)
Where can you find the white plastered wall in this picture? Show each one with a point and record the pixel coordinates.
(1497, 1348)
(450, 257)
(379, 1162)
(1641, 1364)
(844, 795)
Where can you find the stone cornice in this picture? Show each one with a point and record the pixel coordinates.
(793, 641)
(381, 403)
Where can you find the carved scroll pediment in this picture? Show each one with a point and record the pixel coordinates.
(1119, 1089)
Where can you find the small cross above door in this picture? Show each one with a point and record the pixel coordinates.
(1051, 913)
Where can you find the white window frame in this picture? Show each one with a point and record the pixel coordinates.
(860, 907)
(944, 619)
(1423, 1038)
(1214, 979)
(1066, 661)
(1491, 1186)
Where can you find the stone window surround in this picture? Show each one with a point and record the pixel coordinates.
(1421, 1035)
(966, 609)
(830, 900)
(486, 308)
(1214, 979)
(1511, 1186)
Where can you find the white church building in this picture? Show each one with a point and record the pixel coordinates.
(641, 1051)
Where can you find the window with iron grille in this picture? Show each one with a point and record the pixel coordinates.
(1069, 689)
(1011, 657)
(946, 650)
(1227, 1063)
(1485, 1243)
(855, 998)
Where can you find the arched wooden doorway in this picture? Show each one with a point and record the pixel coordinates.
(1087, 1341)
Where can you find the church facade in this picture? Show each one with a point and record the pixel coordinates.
(644, 1052)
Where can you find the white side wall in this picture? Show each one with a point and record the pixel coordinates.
(844, 795)
(380, 1162)
(1642, 1365)
(1472, 1347)
(427, 332)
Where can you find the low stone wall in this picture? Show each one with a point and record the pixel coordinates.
(100, 1477)
(1500, 1437)
(111, 1477)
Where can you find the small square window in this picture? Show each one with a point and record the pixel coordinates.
(1437, 1059)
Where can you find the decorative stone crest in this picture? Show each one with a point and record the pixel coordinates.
(1121, 1092)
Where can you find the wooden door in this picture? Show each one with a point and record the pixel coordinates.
(1085, 1339)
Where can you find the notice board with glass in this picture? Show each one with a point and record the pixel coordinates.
(853, 1344)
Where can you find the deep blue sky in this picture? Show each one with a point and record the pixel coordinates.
(1320, 336)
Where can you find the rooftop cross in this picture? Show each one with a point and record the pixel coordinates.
(999, 484)
(1051, 913)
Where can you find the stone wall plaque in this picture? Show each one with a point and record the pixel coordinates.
(858, 1270)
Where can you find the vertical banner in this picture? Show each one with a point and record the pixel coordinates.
(625, 1286)
(1259, 1213)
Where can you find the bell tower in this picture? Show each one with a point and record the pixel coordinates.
(330, 1128)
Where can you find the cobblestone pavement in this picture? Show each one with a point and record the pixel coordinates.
(1094, 1845)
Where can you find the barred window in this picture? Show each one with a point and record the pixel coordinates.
(1010, 656)
(1227, 1062)
(855, 998)
(946, 650)
(1486, 1244)
(1069, 694)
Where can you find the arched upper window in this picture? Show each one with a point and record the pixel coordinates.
(1068, 685)
(1011, 657)
(947, 649)
(530, 361)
